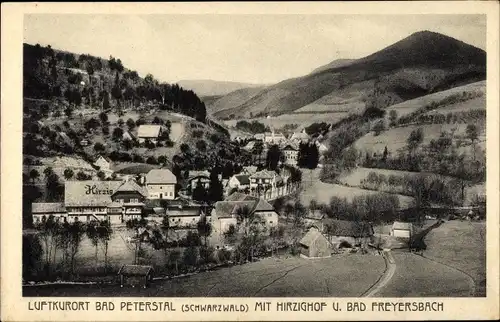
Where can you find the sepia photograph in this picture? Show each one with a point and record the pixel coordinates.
(252, 156)
(241, 162)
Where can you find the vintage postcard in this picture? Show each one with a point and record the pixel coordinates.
(250, 161)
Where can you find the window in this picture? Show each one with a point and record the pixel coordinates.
(161, 187)
(134, 200)
(270, 221)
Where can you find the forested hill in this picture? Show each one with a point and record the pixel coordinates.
(84, 81)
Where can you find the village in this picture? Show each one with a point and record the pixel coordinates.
(135, 186)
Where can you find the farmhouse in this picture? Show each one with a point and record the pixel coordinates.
(104, 163)
(136, 275)
(46, 209)
(160, 184)
(347, 233)
(225, 212)
(291, 154)
(401, 229)
(130, 196)
(149, 132)
(267, 184)
(127, 136)
(314, 244)
(239, 182)
(314, 218)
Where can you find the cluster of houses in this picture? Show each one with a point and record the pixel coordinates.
(289, 146)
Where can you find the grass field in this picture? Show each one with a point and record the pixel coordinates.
(302, 119)
(339, 276)
(410, 106)
(462, 245)
(395, 138)
(322, 192)
(417, 276)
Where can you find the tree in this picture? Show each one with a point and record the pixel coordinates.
(204, 230)
(174, 257)
(104, 232)
(415, 139)
(120, 122)
(93, 236)
(130, 124)
(273, 158)
(393, 117)
(199, 192)
(472, 134)
(103, 117)
(34, 175)
(53, 187)
(216, 190)
(99, 147)
(379, 127)
(48, 171)
(68, 174)
(117, 134)
(101, 175)
(76, 231)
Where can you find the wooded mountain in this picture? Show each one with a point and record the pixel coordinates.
(208, 87)
(423, 63)
(79, 81)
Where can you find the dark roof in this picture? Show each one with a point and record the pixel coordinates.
(47, 207)
(315, 215)
(135, 270)
(348, 228)
(226, 209)
(131, 185)
(243, 178)
(263, 205)
(238, 196)
(311, 236)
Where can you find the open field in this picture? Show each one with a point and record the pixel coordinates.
(417, 276)
(302, 119)
(322, 192)
(462, 245)
(354, 177)
(472, 104)
(410, 106)
(339, 276)
(395, 138)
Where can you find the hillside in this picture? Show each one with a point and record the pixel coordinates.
(231, 100)
(423, 63)
(333, 64)
(79, 106)
(209, 87)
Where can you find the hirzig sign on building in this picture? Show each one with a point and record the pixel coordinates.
(93, 190)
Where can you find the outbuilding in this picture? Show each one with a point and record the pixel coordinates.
(136, 275)
(314, 244)
(401, 229)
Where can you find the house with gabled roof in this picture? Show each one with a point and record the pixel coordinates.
(300, 137)
(131, 197)
(149, 132)
(314, 245)
(291, 154)
(348, 232)
(267, 184)
(104, 163)
(160, 184)
(240, 182)
(128, 136)
(225, 213)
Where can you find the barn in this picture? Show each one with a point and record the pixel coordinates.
(314, 245)
(347, 233)
(136, 275)
(401, 229)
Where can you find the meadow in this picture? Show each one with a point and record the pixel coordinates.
(462, 245)
(338, 276)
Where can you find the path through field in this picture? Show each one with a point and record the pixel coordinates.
(388, 274)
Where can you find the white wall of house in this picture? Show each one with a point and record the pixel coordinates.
(270, 217)
(161, 191)
(401, 233)
(103, 164)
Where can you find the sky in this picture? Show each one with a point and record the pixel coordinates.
(260, 49)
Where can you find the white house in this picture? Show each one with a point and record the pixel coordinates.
(300, 137)
(239, 182)
(149, 132)
(267, 184)
(274, 138)
(127, 136)
(104, 163)
(401, 229)
(225, 213)
(291, 154)
(160, 184)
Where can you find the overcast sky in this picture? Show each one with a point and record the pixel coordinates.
(246, 48)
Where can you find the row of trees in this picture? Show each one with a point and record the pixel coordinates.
(53, 237)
